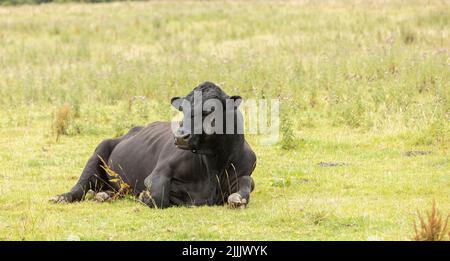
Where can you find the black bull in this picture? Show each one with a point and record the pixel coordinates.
(196, 169)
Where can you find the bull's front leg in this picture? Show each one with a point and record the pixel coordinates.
(157, 190)
(241, 197)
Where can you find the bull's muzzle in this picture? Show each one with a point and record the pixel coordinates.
(181, 140)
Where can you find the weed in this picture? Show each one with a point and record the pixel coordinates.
(62, 120)
(318, 217)
(434, 228)
(288, 138)
(281, 182)
(408, 36)
(120, 187)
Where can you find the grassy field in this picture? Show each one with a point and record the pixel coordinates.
(360, 82)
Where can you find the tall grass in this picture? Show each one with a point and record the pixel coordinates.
(366, 67)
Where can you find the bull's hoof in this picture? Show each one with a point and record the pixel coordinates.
(102, 197)
(236, 201)
(146, 198)
(63, 198)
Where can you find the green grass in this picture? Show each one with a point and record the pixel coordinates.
(360, 82)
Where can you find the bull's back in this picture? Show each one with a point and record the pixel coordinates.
(135, 157)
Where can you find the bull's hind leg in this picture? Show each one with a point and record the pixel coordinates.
(93, 176)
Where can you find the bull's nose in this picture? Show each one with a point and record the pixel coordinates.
(184, 136)
(181, 138)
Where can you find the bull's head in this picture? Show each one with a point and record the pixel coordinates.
(209, 117)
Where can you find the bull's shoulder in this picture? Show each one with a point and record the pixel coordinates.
(154, 130)
(162, 125)
(149, 129)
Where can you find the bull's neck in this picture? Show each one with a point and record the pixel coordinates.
(219, 160)
(221, 156)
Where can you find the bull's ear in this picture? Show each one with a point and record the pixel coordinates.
(176, 102)
(237, 100)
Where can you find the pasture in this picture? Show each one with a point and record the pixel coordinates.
(363, 84)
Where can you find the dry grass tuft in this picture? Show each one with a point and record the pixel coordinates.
(121, 188)
(432, 229)
(62, 120)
